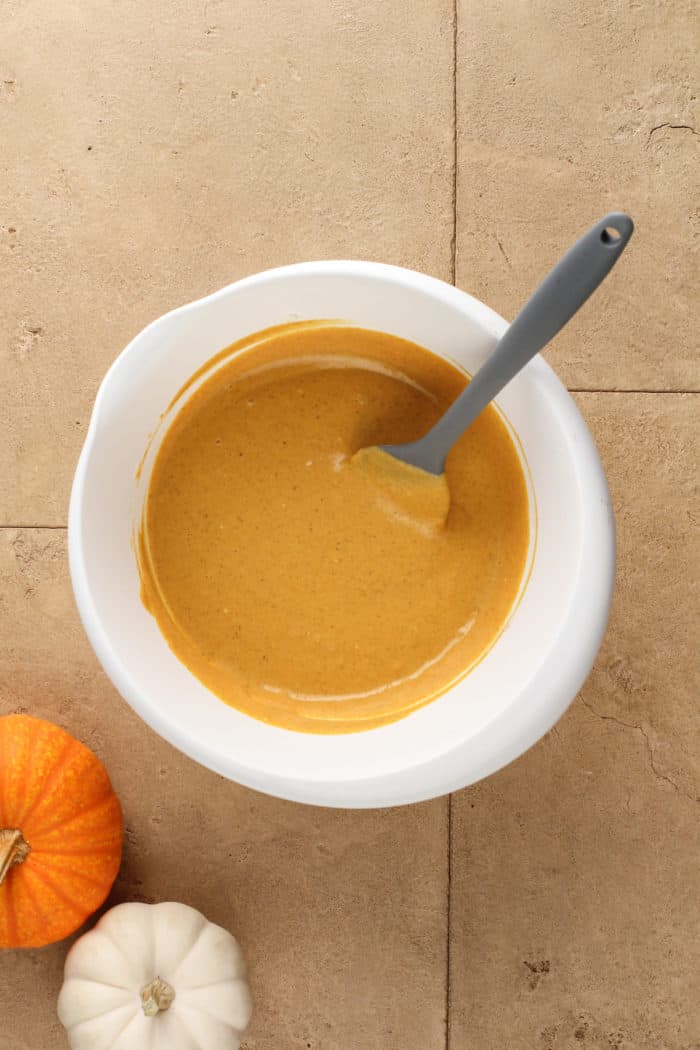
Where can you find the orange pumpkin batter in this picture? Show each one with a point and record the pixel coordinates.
(288, 577)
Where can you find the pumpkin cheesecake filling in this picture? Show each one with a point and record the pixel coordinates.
(306, 582)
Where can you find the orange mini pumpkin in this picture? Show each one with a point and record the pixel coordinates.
(60, 833)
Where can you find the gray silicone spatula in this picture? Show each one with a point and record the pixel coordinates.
(555, 302)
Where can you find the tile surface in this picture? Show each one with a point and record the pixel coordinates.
(341, 915)
(152, 153)
(567, 111)
(573, 870)
(182, 147)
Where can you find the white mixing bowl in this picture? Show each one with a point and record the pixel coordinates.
(496, 712)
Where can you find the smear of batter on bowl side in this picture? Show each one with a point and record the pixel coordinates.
(297, 580)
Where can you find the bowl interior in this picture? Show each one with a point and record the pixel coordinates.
(132, 409)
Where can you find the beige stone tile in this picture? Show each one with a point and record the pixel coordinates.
(342, 914)
(156, 151)
(566, 111)
(647, 671)
(574, 870)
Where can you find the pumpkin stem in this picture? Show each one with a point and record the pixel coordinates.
(13, 850)
(156, 996)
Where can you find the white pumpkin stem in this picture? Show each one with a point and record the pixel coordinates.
(156, 996)
(13, 850)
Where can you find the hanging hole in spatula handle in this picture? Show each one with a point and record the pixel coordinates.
(615, 230)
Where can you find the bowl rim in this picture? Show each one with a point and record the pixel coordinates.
(540, 703)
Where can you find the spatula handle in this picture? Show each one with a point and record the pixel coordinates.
(563, 291)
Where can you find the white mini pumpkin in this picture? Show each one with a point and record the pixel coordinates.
(155, 977)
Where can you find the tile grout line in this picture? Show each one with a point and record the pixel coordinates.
(453, 243)
(619, 390)
(52, 528)
(448, 953)
(453, 276)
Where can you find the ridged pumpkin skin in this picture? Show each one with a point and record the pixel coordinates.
(61, 833)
